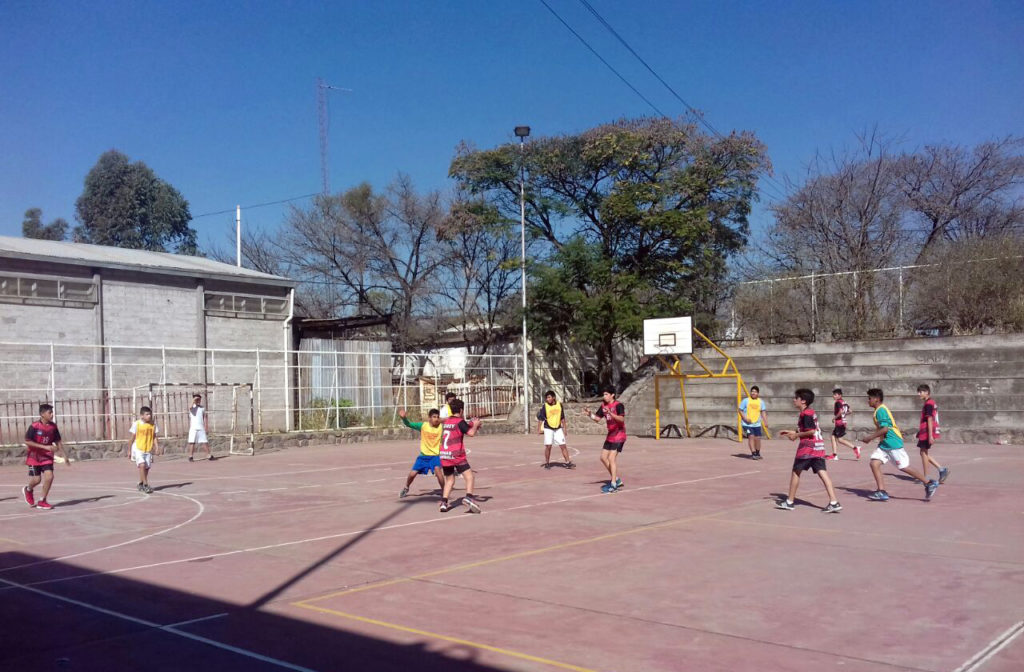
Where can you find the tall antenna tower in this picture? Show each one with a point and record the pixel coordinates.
(324, 118)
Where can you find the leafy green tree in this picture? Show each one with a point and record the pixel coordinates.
(627, 221)
(125, 204)
(32, 226)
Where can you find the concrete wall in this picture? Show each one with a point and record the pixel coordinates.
(156, 327)
(978, 382)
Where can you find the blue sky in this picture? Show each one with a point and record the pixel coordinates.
(219, 97)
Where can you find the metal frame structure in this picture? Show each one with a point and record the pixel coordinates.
(249, 447)
(729, 370)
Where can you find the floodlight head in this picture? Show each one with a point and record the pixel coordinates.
(522, 131)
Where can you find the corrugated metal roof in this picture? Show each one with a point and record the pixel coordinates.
(102, 256)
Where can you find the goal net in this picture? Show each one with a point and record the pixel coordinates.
(229, 411)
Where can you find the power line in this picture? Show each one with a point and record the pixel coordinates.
(258, 205)
(779, 192)
(689, 107)
(601, 58)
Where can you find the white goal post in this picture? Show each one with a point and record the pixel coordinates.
(230, 411)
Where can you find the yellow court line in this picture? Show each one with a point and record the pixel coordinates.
(446, 638)
(522, 554)
(863, 533)
(12, 541)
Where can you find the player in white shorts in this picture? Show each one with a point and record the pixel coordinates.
(197, 427)
(551, 423)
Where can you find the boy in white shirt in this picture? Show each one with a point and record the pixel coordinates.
(197, 427)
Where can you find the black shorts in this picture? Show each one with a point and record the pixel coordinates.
(614, 445)
(804, 463)
(923, 444)
(38, 469)
(839, 431)
(455, 468)
(752, 431)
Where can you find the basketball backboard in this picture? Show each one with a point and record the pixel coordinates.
(668, 336)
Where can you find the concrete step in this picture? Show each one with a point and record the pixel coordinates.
(901, 402)
(904, 418)
(854, 385)
(951, 343)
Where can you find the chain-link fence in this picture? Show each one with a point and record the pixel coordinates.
(878, 303)
(96, 391)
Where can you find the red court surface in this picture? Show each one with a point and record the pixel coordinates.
(306, 559)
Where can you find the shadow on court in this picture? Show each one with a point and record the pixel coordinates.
(112, 623)
(83, 500)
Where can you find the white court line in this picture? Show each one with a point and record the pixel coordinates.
(165, 628)
(57, 508)
(994, 647)
(237, 476)
(340, 535)
(197, 620)
(123, 543)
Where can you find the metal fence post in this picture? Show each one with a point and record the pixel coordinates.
(112, 418)
(900, 327)
(259, 392)
(814, 308)
(53, 379)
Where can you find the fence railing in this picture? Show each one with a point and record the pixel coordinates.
(97, 390)
(877, 302)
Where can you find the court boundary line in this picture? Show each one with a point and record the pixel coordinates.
(163, 628)
(144, 537)
(455, 640)
(545, 549)
(992, 648)
(350, 533)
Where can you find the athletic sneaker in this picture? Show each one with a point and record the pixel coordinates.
(470, 504)
(148, 490)
(403, 493)
(879, 496)
(943, 474)
(139, 487)
(43, 504)
(930, 487)
(784, 504)
(211, 458)
(856, 451)
(445, 506)
(570, 465)
(833, 456)
(189, 458)
(30, 499)
(833, 508)
(547, 465)
(618, 483)
(608, 487)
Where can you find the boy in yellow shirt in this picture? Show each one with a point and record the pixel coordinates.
(429, 459)
(144, 446)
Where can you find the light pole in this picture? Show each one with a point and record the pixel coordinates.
(522, 132)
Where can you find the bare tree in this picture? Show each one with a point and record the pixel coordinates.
(376, 252)
(480, 273)
(845, 218)
(954, 193)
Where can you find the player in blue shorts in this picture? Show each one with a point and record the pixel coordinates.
(429, 460)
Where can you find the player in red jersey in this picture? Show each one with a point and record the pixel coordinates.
(928, 433)
(41, 439)
(841, 409)
(614, 414)
(453, 455)
(810, 452)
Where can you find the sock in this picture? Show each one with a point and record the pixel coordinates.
(835, 501)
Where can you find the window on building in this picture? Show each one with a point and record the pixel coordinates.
(43, 290)
(246, 305)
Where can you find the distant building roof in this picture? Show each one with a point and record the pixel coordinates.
(102, 256)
